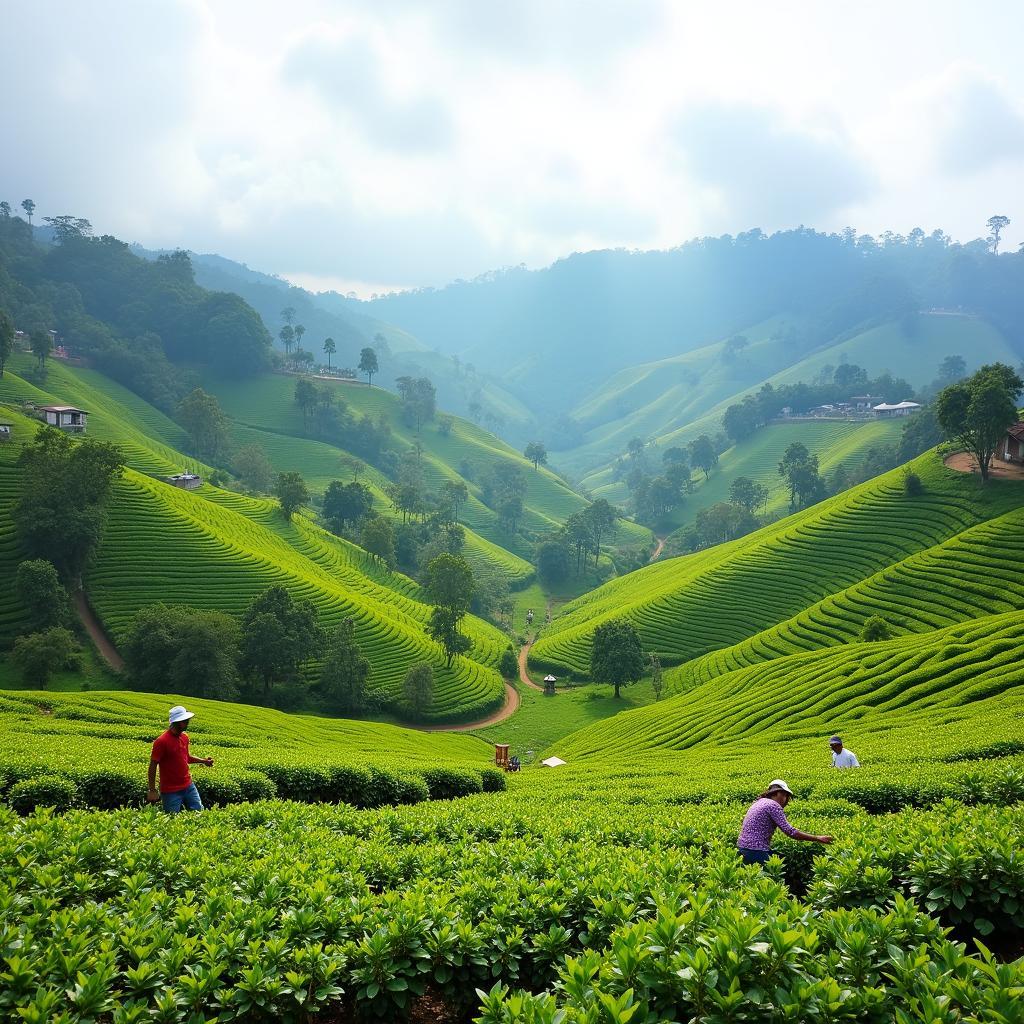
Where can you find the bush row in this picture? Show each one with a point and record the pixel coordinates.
(28, 787)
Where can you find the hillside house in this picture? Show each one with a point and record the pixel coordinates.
(186, 481)
(886, 411)
(64, 417)
(5, 432)
(1013, 449)
(823, 411)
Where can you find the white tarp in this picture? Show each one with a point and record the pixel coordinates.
(553, 762)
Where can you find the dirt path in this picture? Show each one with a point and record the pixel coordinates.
(510, 707)
(658, 550)
(96, 632)
(524, 674)
(963, 462)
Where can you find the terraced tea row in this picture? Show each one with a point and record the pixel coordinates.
(163, 544)
(978, 572)
(969, 674)
(692, 605)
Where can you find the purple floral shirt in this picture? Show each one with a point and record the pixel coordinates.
(763, 818)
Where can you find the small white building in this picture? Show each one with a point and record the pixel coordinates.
(885, 411)
(5, 431)
(64, 417)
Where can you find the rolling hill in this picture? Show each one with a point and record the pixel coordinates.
(689, 606)
(218, 549)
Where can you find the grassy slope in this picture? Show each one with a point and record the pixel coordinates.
(888, 347)
(977, 573)
(689, 606)
(218, 549)
(266, 411)
(118, 727)
(883, 694)
(758, 456)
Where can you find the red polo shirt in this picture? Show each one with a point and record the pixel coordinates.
(170, 753)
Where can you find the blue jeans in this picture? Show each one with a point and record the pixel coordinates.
(187, 798)
(754, 856)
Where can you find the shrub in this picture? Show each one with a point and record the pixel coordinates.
(912, 484)
(299, 782)
(411, 790)
(449, 783)
(107, 789)
(220, 789)
(255, 786)
(348, 784)
(875, 629)
(494, 781)
(42, 791)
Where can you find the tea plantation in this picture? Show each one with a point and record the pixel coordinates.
(689, 606)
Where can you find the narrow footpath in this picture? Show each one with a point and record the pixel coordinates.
(510, 707)
(658, 550)
(524, 675)
(96, 632)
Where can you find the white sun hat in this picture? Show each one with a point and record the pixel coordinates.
(779, 784)
(179, 714)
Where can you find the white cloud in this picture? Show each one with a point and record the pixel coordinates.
(408, 143)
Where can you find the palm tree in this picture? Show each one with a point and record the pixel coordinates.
(330, 348)
(299, 332)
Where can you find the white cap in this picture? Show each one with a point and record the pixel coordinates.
(774, 784)
(179, 714)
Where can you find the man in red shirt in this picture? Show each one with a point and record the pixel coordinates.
(171, 756)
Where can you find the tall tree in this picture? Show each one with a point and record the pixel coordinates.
(38, 655)
(702, 454)
(345, 675)
(368, 364)
(657, 681)
(952, 369)
(180, 649)
(346, 504)
(448, 584)
(329, 349)
(976, 412)
(800, 470)
(41, 343)
(40, 590)
(279, 634)
(418, 687)
(6, 340)
(537, 454)
(996, 225)
(290, 490)
(600, 517)
(66, 486)
(454, 494)
(29, 207)
(747, 493)
(287, 336)
(299, 332)
(201, 415)
(288, 315)
(378, 539)
(5, 210)
(616, 655)
(253, 468)
(306, 399)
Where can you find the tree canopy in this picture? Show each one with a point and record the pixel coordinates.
(617, 656)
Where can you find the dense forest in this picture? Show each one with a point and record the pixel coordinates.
(558, 331)
(137, 320)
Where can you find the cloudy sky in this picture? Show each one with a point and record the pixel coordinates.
(369, 144)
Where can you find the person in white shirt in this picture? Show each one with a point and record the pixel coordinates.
(842, 758)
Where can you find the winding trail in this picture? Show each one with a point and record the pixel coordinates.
(96, 632)
(509, 708)
(524, 674)
(658, 550)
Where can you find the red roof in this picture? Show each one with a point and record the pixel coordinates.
(1016, 431)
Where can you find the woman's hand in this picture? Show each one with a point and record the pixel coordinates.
(824, 840)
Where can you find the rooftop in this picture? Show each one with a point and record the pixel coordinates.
(59, 408)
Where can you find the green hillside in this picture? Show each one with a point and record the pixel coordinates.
(266, 405)
(217, 549)
(880, 693)
(976, 573)
(698, 603)
(836, 443)
(911, 352)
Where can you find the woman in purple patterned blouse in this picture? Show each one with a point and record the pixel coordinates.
(763, 818)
